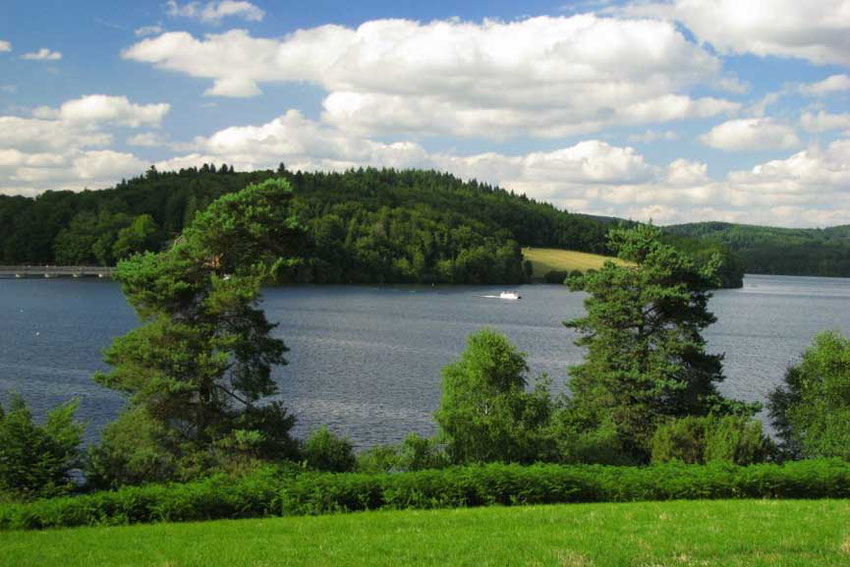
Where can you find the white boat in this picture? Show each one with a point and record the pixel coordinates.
(509, 295)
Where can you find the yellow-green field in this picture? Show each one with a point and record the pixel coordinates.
(545, 260)
(743, 533)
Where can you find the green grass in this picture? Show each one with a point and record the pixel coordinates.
(705, 533)
(544, 260)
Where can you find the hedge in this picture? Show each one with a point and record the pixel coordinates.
(272, 492)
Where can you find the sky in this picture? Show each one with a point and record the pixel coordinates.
(672, 111)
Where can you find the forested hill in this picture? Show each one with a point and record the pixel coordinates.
(364, 226)
(772, 250)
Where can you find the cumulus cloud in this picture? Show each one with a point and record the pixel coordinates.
(215, 12)
(42, 54)
(95, 109)
(5, 46)
(541, 76)
(147, 139)
(815, 30)
(650, 136)
(824, 121)
(751, 134)
(832, 84)
(67, 147)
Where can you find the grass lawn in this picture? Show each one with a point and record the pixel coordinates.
(722, 533)
(547, 259)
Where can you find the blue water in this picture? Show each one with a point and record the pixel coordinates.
(366, 360)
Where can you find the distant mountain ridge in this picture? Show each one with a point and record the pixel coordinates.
(363, 226)
(775, 250)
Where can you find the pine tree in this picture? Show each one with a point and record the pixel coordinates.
(198, 370)
(646, 359)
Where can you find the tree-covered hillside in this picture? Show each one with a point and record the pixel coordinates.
(772, 250)
(363, 226)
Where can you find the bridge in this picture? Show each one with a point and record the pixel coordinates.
(55, 272)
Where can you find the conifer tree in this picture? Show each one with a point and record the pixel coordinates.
(646, 357)
(198, 370)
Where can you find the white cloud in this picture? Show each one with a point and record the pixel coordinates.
(147, 139)
(832, 84)
(33, 134)
(650, 136)
(107, 164)
(815, 30)
(540, 76)
(733, 84)
(145, 31)
(68, 147)
(94, 109)
(5, 46)
(42, 54)
(751, 134)
(214, 12)
(810, 176)
(824, 121)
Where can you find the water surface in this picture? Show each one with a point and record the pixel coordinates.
(366, 360)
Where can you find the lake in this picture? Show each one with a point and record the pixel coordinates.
(366, 360)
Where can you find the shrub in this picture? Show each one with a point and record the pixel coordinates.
(285, 491)
(739, 440)
(415, 453)
(811, 411)
(680, 440)
(732, 439)
(325, 451)
(35, 460)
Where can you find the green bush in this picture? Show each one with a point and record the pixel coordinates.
(286, 491)
(811, 410)
(415, 453)
(739, 440)
(732, 439)
(219, 496)
(325, 451)
(35, 459)
(680, 440)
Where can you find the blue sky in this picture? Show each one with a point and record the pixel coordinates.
(679, 110)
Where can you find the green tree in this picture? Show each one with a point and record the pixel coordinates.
(736, 439)
(325, 451)
(485, 413)
(811, 410)
(198, 370)
(140, 236)
(35, 459)
(646, 360)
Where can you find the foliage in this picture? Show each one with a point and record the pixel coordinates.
(325, 451)
(363, 226)
(414, 453)
(773, 250)
(646, 360)
(273, 491)
(811, 410)
(697, 440)
(35, 460)
(198, 369)
(485, 413)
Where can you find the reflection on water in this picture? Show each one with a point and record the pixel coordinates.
(366, 360)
